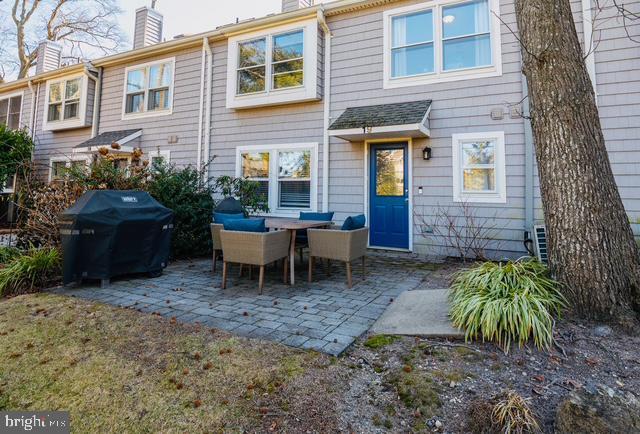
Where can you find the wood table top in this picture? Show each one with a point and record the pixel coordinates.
(291, 223)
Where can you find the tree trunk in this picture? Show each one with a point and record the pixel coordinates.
(592, 250)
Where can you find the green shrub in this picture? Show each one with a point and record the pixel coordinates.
(15, 151)
(104, 174)
(8, 253)
(190, 197)
(245, 190)
(506, 302)
(32, 270)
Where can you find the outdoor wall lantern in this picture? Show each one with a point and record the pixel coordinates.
(426, 153)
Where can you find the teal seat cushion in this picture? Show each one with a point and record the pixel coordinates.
(354, 222)
(219, 217)
(319, 216)
(245, 225)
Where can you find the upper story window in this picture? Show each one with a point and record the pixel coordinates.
(286, 174)
(64, 100)
(66, 103)
(479, 167)
(286, 67)
(445, 40)
(10, 110)
(273, 67)
(149, 89)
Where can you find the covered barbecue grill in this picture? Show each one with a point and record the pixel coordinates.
(110, 233)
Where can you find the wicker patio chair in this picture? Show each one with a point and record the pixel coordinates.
(217, 244)
(339, 245)
(254, 248)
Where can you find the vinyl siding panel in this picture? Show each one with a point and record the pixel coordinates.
(277, 125)
(458, 107)
(156, 130)
(58, 144)
(357, 79)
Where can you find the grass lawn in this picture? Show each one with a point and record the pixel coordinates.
(117, 370)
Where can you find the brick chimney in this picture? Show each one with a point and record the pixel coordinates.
(292, 5)
(49, 56)
(148, 30)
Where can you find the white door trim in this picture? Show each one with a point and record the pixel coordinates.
(367, 185)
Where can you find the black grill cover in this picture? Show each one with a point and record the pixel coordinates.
(110, 233)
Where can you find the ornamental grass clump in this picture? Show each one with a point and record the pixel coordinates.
(32, 270)
(506, 303)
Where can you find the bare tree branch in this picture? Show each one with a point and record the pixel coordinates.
(79, 25)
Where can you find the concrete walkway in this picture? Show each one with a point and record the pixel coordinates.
(418, 313)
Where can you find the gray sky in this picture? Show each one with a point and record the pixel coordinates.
(194, 16)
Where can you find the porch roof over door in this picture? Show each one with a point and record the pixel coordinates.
(115, 141)
(407, 119)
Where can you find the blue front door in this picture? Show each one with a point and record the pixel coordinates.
(389, 195)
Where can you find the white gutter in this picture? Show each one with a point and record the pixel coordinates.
(589, 48)
(207, 133)
(327, 110)
(205, 42)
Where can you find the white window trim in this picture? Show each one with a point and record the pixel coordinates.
(166, 154)
(440, 76)
(307, 92)
(8, 97)
(273, 178)
(145, 113)
(68, 161)
(500, 193)
(63, 124)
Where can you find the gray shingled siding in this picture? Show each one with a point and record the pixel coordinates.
(357, 50)
(458, 107)
(278, 125)
(156, 130)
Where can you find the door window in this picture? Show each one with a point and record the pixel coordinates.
(390, 172)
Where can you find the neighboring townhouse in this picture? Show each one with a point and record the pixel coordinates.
(394, 109)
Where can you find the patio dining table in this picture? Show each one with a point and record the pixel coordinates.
(293, 225)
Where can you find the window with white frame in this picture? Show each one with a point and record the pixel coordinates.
(479, 167)
(286, 66)
(446, 40)
(10, 111)
(59, 167)
(275, 66)
(286, 175)
(149, 89)
(159, 158)
(64, 100)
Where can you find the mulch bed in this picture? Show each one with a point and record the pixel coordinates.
(465, 376)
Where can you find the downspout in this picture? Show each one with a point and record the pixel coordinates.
(207, 133)
(327, 109)
(32, 112)
(35, 115)
(96, 101)
(589, 49)
(201, 109)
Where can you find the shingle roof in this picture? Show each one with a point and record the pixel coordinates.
(106, 139)
(382, 115)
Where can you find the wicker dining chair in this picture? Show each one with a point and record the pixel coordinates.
(339, 245)
(217, 244)
(254, 248)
